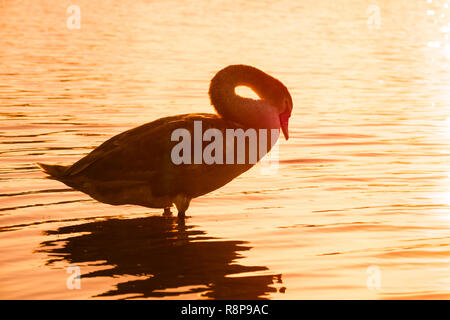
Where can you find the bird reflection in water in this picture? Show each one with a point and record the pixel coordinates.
(171, 258)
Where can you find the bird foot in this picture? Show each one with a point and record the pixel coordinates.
(181, 215)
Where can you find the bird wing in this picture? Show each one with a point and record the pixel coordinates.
(143, 155)
(131, 148)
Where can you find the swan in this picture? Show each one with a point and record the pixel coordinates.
(135, 166)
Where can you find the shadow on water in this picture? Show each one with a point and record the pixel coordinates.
(170, 258)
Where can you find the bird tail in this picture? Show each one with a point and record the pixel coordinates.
(55, 171)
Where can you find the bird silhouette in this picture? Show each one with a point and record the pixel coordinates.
(137, 166)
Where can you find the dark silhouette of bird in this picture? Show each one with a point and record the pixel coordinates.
(137, 167)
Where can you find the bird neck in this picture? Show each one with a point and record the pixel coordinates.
(245, 111)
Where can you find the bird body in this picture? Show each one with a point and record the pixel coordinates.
(137, 167)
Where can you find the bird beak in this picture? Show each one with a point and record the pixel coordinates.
(284, 123)
(284, 128)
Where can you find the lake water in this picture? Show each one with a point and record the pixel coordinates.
(359, 207)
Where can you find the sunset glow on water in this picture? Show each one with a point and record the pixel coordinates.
(359, 206)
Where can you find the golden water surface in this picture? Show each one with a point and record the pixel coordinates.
(359, 207)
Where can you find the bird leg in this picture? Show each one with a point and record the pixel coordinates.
(182, 203)
(167, 212)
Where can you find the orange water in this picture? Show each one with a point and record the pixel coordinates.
(363, 182)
